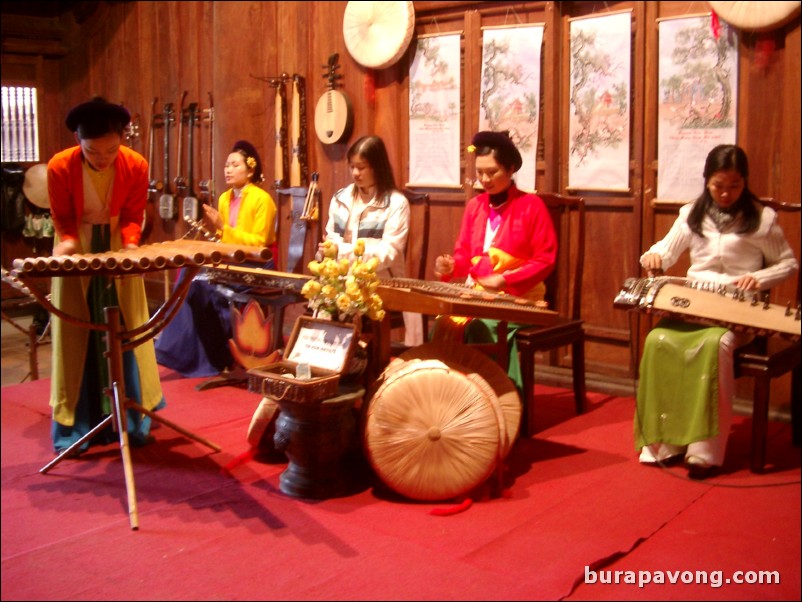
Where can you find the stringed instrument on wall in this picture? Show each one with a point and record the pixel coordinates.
(206, 186)
(167, 207)
(190, 202)
(154, 186)
(333, 113)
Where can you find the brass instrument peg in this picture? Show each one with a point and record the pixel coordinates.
(796, 316)
(754, 299)
(788, 309)
(766, 303)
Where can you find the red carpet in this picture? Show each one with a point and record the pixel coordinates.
(577, 498)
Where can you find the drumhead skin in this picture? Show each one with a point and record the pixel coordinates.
(377, 34)
(430, 433)
(477, 362)
(35, 186)
(756, 16)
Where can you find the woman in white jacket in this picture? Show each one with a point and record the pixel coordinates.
(372, 209)
(687, 379)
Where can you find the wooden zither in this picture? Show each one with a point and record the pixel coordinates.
(709, 304)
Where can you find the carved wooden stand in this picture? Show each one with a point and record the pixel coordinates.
(319, 438)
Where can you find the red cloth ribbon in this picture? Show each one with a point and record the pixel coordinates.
(764, 48)
(715, 26)
(370, 86)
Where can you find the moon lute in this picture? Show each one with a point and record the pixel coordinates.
(333, 113)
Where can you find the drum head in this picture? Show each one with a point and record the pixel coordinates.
(35, 186)
(477, 362)
(377, 34)
(430, 432)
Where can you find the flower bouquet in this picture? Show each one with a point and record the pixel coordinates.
(344, 290)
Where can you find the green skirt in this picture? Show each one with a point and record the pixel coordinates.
(678, 389)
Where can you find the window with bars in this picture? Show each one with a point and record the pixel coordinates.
(20, 125)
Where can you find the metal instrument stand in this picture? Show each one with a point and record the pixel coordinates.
(116, 389)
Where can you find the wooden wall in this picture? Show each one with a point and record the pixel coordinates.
(135, 52)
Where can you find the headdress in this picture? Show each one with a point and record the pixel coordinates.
(98, 115)
(247, 149)
(501, 142)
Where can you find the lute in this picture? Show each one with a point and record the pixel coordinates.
(333, 113)
(190, 202)
(167, 200)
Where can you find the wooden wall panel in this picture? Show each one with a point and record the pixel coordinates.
(135, 52)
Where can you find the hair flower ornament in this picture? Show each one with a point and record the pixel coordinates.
(471, 148)
(251, 162)
(343, 289)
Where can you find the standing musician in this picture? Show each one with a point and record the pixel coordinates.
(374, 210)
(684, 403)
(195, 342)
(506, 243)
(98, 191)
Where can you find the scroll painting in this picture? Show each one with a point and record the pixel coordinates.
(510, 91)
(698, 102)
(434, 112)
(599, 123)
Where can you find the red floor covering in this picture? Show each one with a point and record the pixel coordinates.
(577, 504)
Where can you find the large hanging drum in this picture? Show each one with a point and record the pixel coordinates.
(431, 432)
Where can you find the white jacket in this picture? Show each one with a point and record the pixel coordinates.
(722, 257)
(383, 225)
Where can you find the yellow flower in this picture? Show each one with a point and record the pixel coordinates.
(343, 302)
(311, 289)
(471, 148)
(373, 264)
(376, 314)
(330, 249)
(343, 288)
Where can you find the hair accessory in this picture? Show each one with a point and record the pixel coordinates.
(471, 148)
(251, 162)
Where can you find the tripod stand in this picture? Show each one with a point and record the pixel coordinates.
(115, 346)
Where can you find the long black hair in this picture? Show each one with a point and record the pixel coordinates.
(372, 150)
(727, 157)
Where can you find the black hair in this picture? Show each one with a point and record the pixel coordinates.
(248, 150)
(500, 146)
(96, 118)
(727, 157)
(372, 150)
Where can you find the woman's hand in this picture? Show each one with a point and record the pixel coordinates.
(443, 265)
(652, 263)
(492, 282)
(213, 218)
(65, 247)
(747, 282)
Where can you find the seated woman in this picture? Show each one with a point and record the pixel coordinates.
(506, 244)
(374, 210)
(195, 342)
(687, 378)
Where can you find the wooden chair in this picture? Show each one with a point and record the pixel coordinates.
(416, 253)
(564, 295)
(763, 359)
